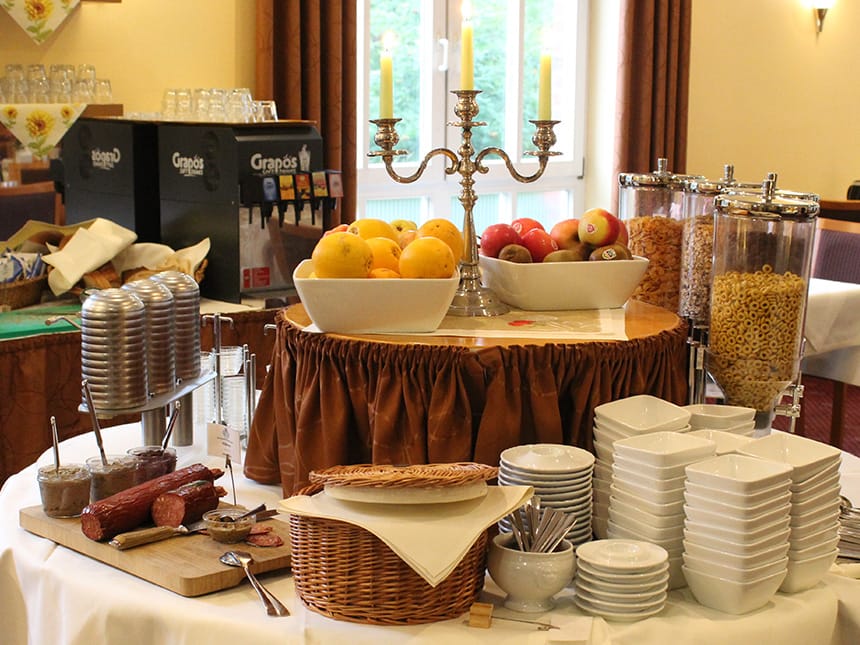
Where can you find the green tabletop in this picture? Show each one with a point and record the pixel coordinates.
(30, 321)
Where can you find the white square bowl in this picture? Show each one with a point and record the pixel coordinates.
(398, 305)
(674, 508)
(805, 574)
(732, 597)
(643, 413)
(643, 516)
(735, 574)
(652, 472)
(650, 533)
(714, 416)
(647, 494)
(639, 478)
(805, 456)
(744, 525)
(768, 495)
(738, 473)
(743, 561)
(584, 285)
(727, 442)
(712, 541)
(665, 449)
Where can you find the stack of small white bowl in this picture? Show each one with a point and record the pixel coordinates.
(815, 501)
(622, 580)
(629, 417)
(561, 476)
(726, 442)
(733, 419)
(736, 531)
(647, 491)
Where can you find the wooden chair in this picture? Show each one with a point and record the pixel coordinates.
(840, 209)
(25, 202)
(836, 256)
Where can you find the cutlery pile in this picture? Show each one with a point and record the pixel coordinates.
(537, 529)
(849, 530)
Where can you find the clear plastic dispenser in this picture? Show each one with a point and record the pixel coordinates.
(761, 266)
(651, 205)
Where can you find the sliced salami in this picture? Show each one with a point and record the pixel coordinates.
(265, 539)
(186, 504)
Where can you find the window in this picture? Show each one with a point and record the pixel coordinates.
(509, 37)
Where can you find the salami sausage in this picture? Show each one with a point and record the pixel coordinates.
(265, 539)
(128, 509)
(186, 504)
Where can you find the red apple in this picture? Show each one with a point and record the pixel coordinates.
(337, 229)
(565, 233)
(599, 227)
(497, 236)
(539, 244)
(523, 225)
(623, 236)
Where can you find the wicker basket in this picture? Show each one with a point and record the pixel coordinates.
(347, 573)
(22, 293)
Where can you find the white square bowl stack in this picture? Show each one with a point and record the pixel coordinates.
(621, 580)
(629, 417)
(815, 502)
(562, 479)
(647, 492)
(736, 531)
(733, 419)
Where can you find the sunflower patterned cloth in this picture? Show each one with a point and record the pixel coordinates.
(39, 18)
(40, 126)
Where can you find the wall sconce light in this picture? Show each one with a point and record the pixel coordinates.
(819, 10)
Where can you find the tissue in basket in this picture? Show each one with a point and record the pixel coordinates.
(368, 305)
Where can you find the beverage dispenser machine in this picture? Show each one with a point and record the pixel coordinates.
(254, 190)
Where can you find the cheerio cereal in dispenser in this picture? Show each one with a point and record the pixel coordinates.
(762, 262)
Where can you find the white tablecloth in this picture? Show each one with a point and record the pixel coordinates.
(832, 331)
(52, 595)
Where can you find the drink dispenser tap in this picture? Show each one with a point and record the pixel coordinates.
(761, 268)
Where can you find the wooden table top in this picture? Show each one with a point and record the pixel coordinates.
(642, 320)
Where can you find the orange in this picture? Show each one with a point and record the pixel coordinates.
(369, 227)
(382, 272)
(427, 257)
(446, 231)
(342, 255)
(386, 253)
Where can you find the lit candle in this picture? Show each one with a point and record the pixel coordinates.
(545, 88)
(386, 83)
(467, 56)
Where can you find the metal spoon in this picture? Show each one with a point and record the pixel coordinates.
(56, 441)
(88, 394)
(176, 406)
(244, 559)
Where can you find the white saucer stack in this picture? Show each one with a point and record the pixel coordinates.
(629, 417)
(736, 531)
(815, 502)
(562, 479)
(621, 580)
(647, 491)
(734, 419)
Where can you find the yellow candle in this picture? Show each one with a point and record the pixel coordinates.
(545, 88)
(467, 56)
(386, 91)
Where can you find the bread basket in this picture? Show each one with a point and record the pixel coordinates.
(22, 293)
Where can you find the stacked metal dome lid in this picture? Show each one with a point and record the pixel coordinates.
(186, 297)
(160, 330)
(113, 348)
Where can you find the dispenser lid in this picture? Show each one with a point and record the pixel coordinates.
(660, 178)
(768, 205)
(725, 183)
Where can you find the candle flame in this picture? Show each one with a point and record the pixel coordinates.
(466, 10)
(388, 41)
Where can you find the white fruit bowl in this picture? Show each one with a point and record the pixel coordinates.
(366, 306)
(553, 286)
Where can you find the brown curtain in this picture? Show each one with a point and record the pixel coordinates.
(305, 61)
(653, 85)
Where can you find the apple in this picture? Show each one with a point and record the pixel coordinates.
(340, 228)
(599, 227)
(623, 235)
(539, 244)
(565, 233)
(401, 225)
(497, 236)
(523, 225)
(405, 237)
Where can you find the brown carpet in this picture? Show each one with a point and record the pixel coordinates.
(817, 410)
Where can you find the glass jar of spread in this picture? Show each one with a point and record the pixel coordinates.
(119, 473)
(65, 490)
(153, 461)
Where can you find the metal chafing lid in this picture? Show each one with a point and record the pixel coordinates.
(660, 178)
(768, 204)
(758, 189)
(716, 186)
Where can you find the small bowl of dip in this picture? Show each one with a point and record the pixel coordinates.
(224, 525)
(65, 490)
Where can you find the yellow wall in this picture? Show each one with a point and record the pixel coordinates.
(145, 46)
(767, 93)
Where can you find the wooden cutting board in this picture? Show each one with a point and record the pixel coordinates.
(185, 564)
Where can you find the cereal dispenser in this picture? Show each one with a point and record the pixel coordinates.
(651, 206)
(761, 267)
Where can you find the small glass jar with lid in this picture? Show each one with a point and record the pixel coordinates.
(762, 263)
(651, 207)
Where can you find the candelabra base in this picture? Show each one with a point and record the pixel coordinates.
(476, 300)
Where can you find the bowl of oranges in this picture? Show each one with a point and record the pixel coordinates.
(373, 276)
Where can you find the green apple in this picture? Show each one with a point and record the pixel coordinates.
(401, 225)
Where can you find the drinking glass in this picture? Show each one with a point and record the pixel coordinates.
(200, 105)
(87, 72)
(183, 104)
(82, 91)
(234, 404)
(265, 111)
(217, 105)
(39, 90)
(15, 71)
(61, 90)
(239, 108)
(103, 93)
(36, 72)
(20, 91)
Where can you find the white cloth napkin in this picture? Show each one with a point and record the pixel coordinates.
(88, 249)
(160, 257)
(430, 538)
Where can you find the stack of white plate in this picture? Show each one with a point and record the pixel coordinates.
(736, 531)
(628, 417)
(623, 580)
(734, 419)
(815, 501)
(647, 491)
(561, 476)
